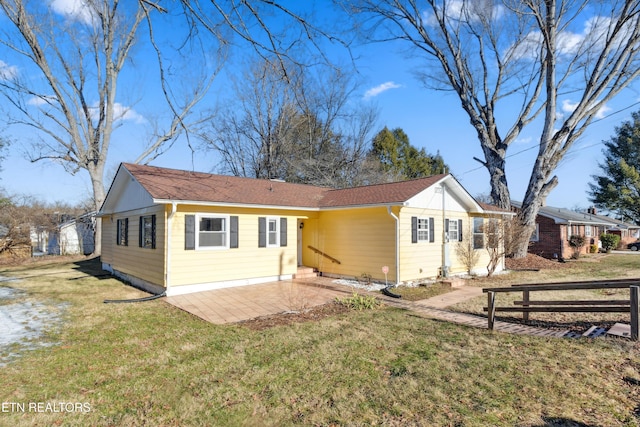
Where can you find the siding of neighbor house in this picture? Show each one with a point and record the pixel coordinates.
(219, 267)
(141, 263)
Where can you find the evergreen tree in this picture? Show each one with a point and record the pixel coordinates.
(402, 160)
(618, 188)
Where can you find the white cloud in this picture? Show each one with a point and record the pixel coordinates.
(41, 100)
(7, 72)
(121, 112)
(461, 10)
(569, 107)
(73, 9)
(377, 90)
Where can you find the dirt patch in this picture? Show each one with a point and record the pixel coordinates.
(312, 314)
(533, 262)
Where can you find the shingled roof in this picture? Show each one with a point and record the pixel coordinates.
(178, 185)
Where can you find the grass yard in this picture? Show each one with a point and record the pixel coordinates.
(152, 364)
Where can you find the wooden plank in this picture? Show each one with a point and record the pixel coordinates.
(634, 297)
(525, 303)
(563, 309)
(623, 302)
(625, 280)
(564, 287)
(491, 303)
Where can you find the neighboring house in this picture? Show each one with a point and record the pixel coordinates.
(180, 232)
(75, 236)
(628, 232)
(555, 226)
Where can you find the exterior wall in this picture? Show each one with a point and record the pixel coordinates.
(201, 269)
(362, 239)
(550, 239)
(553, 239)
(135, 262)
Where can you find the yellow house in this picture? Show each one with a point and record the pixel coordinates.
(177, 232)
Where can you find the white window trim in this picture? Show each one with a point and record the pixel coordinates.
(277, 231)
(587, 231)
(453, 221)
(479, 233)
(535, 237)
(227, 232)
(426, 220)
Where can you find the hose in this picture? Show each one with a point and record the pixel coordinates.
(119, 301)
(388, 293)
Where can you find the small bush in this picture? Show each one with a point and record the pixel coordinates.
(609, 241)
(359, 302)
(593, 249)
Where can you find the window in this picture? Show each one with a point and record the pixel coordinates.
(453, 230)
(147, 233)
(122, 233)
(535, 237)
(213, 232)
(272, 232)
(478, 233)
(587, 230)
(423, 229)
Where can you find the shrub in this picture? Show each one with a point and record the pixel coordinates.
(576, 241)
(593, 249)
(359, 302)
(609, 241)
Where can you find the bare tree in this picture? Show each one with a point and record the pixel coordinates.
(77, 57)
(294, 125)
(494, 54)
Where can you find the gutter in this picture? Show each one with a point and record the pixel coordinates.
(397, 244)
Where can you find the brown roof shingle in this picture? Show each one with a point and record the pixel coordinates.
(173, 184)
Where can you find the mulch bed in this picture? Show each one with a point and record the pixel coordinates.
(533, 262)
(311, 314)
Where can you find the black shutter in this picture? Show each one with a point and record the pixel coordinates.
(446, 230)
(140, 232)
(233, 232)
(262, 232)
(153, 231)
(189, 232)
(459, 230)
(432, 236)
(126, 232)
(283, 231)
(118, 224)
(414, 229)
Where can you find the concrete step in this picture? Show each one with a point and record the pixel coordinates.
(306, 273)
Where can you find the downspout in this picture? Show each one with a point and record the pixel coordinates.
(397, 244)
(167, 277)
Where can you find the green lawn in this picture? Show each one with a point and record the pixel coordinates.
(152, 364)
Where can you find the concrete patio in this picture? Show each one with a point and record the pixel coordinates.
(229, 305)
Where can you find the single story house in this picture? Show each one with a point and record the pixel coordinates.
(555, 226)
(178, 231)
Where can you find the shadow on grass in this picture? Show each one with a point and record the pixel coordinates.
(92, 267)
(562, 422)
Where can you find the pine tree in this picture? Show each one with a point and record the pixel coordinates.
(618, 188)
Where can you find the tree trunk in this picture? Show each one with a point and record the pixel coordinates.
(96, 172)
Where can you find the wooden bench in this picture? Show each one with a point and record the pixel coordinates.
(526, 305)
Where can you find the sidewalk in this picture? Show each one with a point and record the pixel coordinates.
(435, 308)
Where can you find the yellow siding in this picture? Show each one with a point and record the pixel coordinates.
(248, 261)
(143, 263)
(363, 240)
(424, 259)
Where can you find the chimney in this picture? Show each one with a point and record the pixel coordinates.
(591, 210)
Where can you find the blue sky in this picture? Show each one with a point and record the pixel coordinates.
(433, 120)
